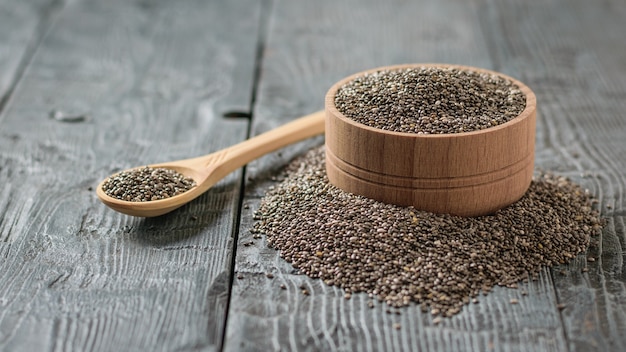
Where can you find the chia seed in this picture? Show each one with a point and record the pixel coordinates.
(147, 184)
(401, 255)
(430, 100)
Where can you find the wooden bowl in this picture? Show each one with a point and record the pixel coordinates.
(467, 174)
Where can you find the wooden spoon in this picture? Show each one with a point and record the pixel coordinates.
(209, 169)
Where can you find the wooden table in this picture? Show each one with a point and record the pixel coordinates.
(91, 87)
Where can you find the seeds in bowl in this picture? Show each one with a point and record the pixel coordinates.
(430, 100)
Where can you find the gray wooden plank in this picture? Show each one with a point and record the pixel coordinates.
(571, 57)
(22, 25)
(152, 79)
(301, 60)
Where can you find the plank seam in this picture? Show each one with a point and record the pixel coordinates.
(262, 34)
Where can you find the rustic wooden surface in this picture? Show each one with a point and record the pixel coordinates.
(150, 81)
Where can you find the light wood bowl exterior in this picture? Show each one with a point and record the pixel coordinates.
(467, 174)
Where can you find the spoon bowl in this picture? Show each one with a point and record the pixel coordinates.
(208, 170)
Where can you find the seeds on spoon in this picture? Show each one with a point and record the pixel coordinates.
(147, 184)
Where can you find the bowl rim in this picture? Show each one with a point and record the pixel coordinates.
(529, 109)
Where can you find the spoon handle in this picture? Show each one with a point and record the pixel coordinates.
(240, 154)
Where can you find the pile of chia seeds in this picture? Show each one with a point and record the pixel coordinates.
(402, 255)
(147, 184)
(430, 100)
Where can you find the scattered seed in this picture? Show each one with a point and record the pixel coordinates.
(591, 259)
(437, 320)
(397, 326)
(347, 296)
(306, 292)
(401, 255)
(514, 301)
(269, 275)
(283, 287)
(239, 276)
(561, 306)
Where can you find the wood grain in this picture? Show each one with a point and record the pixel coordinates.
(330, 41)
(151, 80)
(22, 26)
